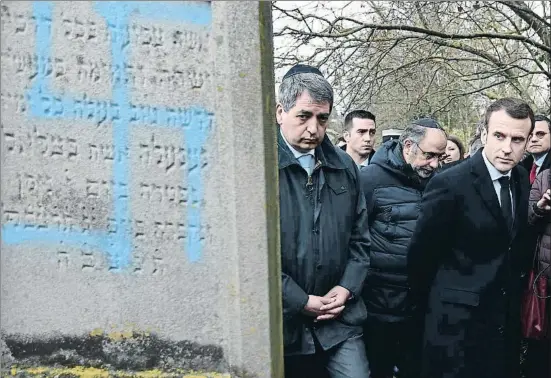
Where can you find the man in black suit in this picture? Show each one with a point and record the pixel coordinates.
(538, 158)
(467, 253)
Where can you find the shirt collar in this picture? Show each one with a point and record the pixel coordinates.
(296, 153)
(494, 173)
(540, 160)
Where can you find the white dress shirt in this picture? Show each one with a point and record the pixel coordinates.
(364, 163)
(539, 162)
(495, 175)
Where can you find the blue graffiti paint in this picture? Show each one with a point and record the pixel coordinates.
(43, 16)
(14, 234)
(194, 122)
(196, 13)
(193, 141)
(117, 19)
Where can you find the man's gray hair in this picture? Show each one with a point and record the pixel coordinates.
(476, 145)
(413, 132)
(479, 127)
(416, 132)
(317, 87)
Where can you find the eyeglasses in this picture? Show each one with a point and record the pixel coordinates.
(540, 134)
(432, 155)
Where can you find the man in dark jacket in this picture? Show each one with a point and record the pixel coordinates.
(359, 134)
(539, 144)
(537, 160)
(393, 185)
(468, 252)
(324, 236)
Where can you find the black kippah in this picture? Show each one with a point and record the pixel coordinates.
(300, 69)
(427, 122)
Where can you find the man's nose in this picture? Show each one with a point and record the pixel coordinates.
(367, 137)
(312, 125)
(507, 148)
(434, 163)
(534, 138)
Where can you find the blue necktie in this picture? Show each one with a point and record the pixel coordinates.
(307, 162)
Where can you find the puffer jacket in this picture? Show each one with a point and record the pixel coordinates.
(541, 222)
(393, 193)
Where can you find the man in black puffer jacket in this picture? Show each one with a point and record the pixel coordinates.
(393, 186)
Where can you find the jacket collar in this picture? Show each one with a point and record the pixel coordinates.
(485, 188)
(494, 173)
(479, 168)
(367, 161)
(325, 154)
(369, 157)
(390, 157)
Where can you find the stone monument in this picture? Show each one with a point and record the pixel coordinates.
(139, 196)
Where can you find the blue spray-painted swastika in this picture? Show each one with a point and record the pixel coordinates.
(194, 122)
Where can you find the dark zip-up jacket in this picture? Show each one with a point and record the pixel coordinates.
(324, 243)
(393, 193)
(369, 157)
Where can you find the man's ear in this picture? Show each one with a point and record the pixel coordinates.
(407, 146)
(346, 136)
(484, 136)
(279, 113)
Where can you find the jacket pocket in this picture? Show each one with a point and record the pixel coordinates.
(291, 331)
(336, 187)
(354, 313)
(458, 296)
(388, 215)
(385, 298)
(341, 202)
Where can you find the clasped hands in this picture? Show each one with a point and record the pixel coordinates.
(329, 306)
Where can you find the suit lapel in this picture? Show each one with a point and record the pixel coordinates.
(485, 187)
(546, 163)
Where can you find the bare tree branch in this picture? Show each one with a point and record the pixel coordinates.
(349, 31)
(402, 59)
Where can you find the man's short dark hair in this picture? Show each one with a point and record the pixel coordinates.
(361, 114)
(541, 117)
(514, 107)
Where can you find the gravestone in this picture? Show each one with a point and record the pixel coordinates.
(139, 210)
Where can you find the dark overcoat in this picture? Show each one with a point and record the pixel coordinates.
(324, 242)
(465, 267)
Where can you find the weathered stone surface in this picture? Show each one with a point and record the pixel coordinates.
(139, 216)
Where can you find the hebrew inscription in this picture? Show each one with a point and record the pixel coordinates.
(104, 154)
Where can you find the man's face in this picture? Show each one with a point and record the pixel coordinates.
(505, 140)
(361, 136)
(540, 140)
(303, 126)
(425, 157)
